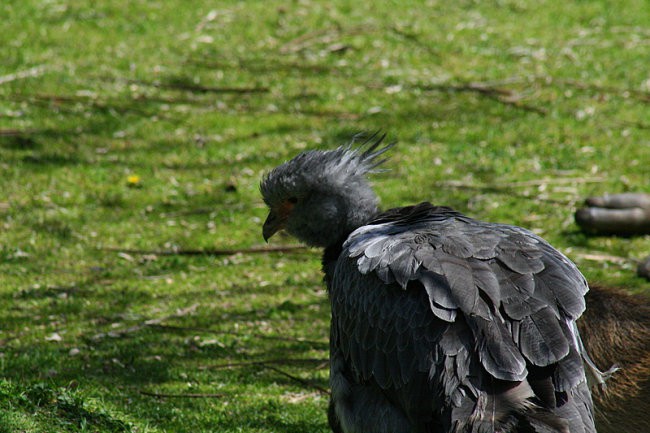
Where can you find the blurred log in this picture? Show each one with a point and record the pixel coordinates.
(620, 201)
(616, 214)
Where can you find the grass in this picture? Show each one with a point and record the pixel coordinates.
(510, 111)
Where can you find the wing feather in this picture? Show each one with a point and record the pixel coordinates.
(541, 339)
(425, 289)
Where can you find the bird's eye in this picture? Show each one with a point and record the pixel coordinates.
(293, 200)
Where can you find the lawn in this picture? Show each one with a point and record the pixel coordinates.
(134, 133)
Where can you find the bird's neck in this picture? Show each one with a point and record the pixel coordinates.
(360, 210)
(332, 252)
(328, 261)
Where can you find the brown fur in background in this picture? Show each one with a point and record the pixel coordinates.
(615, 329)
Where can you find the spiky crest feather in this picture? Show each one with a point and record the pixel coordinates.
(326, 169)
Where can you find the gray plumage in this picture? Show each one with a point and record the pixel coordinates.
(439, 322)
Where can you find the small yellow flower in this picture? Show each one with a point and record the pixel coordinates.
(133, 181)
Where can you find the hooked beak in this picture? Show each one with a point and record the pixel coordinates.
(272, 225)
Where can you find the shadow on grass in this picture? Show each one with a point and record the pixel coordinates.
(19, 141)
(87, 334)
(267, 65)
(50, 158)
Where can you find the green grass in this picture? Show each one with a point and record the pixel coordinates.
(198, 101)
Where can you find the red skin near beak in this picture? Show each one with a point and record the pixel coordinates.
(276, 220)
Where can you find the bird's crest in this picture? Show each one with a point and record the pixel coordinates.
(328, 168)
(365, 155)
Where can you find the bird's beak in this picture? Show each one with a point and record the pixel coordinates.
(272, 225)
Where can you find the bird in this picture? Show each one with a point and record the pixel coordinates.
(439, 322)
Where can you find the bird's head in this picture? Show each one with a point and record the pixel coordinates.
(321, 196)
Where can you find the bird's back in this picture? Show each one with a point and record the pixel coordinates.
(462, 325)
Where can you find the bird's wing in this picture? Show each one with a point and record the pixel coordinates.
(484, 296)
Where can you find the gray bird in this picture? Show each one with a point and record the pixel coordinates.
(440, 323)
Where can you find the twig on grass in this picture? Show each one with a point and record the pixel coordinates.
(300, 42)
(27, 73)
(297, 379)
(283, 361)
(268, 365)
(239, 334)
(179, 85)
(638, 125)
(411, 37)
(71, 100)
(264, 65)
(511, 188)
(16, 132)
(147, 323)
(210, 252)
(328, 35)
(625, 92)
(523, 183)
(190, 395)
(504, 96)
(198, 211)
(603, 257)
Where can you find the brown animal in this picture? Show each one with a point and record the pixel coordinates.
(615, 329)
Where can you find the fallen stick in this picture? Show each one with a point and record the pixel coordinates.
(297, 379)
(267, 365)
(637, 94)
(191, 87)
(595, 257)
(412, 37)
(27, 73)
(283, 361)
(209, 252)
(190, 395)
(151, 322)
(523, 183)
(324, 35)
(61, 100)
(239, 334)
(504, 96)
(17, 132)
